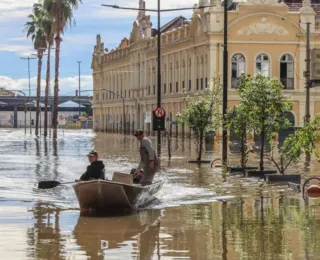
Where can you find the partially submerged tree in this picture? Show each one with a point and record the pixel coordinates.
(202, 113)
(237, 121)
(36, 28)
(302, 141)
(62, 13)
(266, 107)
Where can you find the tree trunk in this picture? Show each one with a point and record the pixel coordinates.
(40, 52)
(47, 94)
(262, 150)
(56, 87)
(244, 148)
(200, 146)
(243, 152)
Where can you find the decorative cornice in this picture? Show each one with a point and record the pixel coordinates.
(263, 27)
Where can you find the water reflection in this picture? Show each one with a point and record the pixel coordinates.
(97, 236)
(198, 215)
(44, 238)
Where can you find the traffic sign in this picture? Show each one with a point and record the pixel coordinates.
(159, 116)
(159, 112)
(61, 119)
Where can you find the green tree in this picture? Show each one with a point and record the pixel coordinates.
(302, 141)
(62, 13)
(35, 28)
(202, 113)
(237, 121)
(265, 107)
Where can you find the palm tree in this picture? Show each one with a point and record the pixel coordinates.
(47, 22)
(35, 29)
(62, 13)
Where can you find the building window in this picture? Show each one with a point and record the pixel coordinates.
(263, 65)
(206, 82)
(154, 89)
(129, 93)
(103, 96)
(177, 87)
(197, 84)
(201, 83)
(237, 68)
(189, 84)
(125, 93)
(165, 88)
(287, 71)
(170, 88)
(149, 91)
(183, 85)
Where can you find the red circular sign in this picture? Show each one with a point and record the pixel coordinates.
(159, 112)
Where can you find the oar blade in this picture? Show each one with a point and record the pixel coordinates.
(48, 184)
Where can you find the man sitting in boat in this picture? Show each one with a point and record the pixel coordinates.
(148, 159)
(95, 170)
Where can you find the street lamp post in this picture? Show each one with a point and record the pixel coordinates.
(225, 85)
(29, 58)
(79, 62)
(158, 11)
(123, 104)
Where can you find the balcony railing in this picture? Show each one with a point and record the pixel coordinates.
(288, 83)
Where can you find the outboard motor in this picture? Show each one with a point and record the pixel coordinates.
(136, 179)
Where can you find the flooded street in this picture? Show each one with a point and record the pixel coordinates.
(198, 215)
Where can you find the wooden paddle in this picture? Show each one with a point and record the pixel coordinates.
(50, 184)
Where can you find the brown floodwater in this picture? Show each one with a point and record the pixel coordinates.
(198, 214)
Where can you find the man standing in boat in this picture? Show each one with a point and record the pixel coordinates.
(95, 170)
(148, 159)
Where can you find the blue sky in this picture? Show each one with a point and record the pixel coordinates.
(78, 41)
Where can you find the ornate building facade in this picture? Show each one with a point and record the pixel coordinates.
(263, 36)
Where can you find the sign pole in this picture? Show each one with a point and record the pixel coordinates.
(159, 75)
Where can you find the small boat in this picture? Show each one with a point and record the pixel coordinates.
(119, 194)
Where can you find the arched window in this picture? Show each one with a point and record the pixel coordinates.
(263, 65)
(287, 71)
(238, 63)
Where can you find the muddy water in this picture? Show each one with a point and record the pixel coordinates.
(198, 215)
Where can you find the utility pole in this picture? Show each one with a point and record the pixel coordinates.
(159, 75)
(308, 85)
(29, 58)
(225, 86)
(79, 62)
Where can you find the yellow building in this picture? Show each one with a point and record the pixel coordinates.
(263, 36)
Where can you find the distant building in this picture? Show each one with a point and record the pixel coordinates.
(7, 93)
(12, 109)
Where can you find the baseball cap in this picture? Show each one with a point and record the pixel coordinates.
(92, 153)
(138, 132)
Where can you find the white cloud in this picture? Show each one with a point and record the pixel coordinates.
(67, 85)
(20, 49)
(10, 15)
(17, 39)
(14, 4)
